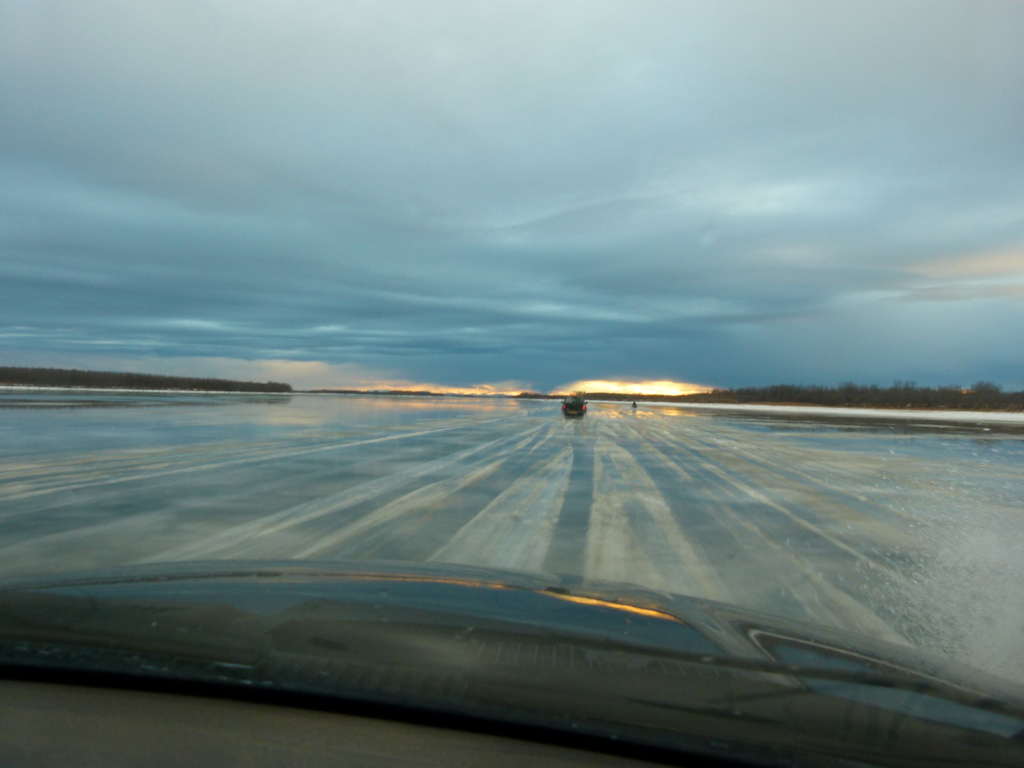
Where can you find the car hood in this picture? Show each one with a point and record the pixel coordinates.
(608, 661)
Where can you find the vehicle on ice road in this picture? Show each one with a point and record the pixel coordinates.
(574, 405)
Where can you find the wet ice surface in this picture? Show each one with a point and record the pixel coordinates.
(906, 531)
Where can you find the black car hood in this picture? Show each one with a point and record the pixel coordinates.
(632, 665)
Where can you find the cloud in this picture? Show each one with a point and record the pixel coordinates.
(967, 292)
(995, 276)
(461, 193)
(1003, 263)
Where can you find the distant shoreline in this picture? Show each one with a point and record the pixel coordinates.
(847, 397)
(933, 414)
(137, 390)
(73, 378)
(901, 396)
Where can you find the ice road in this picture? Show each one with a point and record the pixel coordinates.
(906, 530)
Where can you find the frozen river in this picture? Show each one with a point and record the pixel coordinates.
(904, 530)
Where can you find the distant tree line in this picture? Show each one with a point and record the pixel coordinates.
(982, 396)
(62, 377)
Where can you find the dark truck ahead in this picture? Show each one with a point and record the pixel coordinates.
(574, 405)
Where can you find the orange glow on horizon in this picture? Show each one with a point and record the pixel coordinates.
(511, 388)
(663, 387)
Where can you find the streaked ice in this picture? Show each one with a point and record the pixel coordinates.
(907, 529)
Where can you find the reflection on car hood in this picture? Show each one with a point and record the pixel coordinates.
(633, 665)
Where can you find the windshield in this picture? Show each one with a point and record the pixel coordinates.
(369, 258)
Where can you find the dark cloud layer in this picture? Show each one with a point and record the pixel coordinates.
(729, 193)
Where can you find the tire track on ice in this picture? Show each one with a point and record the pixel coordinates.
(820, 600)
(269, 525)
(779, 459)
(247, 460)
(633, 535)
(761, 498)
(425, 496)
(514, 531)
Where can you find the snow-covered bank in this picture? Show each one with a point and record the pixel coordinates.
(974, 417)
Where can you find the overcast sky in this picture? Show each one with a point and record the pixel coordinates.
(459, 193)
